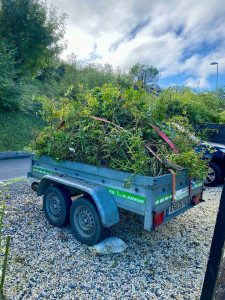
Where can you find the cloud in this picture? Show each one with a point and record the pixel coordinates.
(200, 83)
(129, 36)
(177, 37)
(79, 42)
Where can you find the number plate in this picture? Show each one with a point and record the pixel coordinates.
(179, 205)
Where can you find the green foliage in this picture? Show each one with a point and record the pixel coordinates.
(9, 86)
(17, 129)
(57, 79)
(89, 141)
(30, 36)
(93, 75)
(33, 30)
(197, 107)
(6, 252)
(144, 74)
(96, 75)
(120, 142)
(221, 96)
(124, 80)
(222, 117)
(181, 132)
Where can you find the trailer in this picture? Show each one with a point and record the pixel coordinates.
(89, 196)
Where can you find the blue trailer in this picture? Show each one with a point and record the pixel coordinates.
(89, 196)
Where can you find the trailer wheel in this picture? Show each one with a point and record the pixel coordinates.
(56, 205)
(86, 223)
(214, 176)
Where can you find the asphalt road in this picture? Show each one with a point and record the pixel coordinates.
(14, 168)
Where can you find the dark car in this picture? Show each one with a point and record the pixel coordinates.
(216, 166)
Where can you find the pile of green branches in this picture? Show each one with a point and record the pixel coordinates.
(112, 128)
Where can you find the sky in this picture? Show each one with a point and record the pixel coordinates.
(179, 38)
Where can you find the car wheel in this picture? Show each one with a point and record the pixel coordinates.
(56, 205)
(86, 223)
(34, 186)
(214, 176)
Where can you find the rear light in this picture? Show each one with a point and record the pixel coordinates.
(158, 219)
(196, 199)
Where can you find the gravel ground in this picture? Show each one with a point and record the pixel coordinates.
(46, 262)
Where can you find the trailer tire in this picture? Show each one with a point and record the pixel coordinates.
(86, 223)
(56, 205)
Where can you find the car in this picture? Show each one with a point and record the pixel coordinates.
(215, 153)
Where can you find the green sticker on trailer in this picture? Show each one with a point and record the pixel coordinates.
(163, 198)
(197, 184)
(126, 195)
(182, 193)
(42, 171)
(179, 195)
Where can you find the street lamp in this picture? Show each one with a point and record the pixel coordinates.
(216, 63)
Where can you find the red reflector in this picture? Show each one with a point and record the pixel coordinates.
(158, 219)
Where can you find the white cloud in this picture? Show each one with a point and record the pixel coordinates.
(201, 83)
(177, 36)
(82, 49)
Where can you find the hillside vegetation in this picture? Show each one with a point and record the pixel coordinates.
(17, 129)
(27, 77)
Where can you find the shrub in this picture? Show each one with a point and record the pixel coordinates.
(118, 140)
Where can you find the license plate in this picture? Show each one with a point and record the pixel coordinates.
(179, 205)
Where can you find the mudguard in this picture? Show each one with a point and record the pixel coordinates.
(103, 200)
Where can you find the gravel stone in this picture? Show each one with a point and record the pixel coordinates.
(47, 262)
(43, 294)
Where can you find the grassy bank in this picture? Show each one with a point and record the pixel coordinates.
(17, 129)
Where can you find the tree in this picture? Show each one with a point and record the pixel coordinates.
(9, 85)
(221, 95)
(33, 30)
(144, 74)
(124, 80)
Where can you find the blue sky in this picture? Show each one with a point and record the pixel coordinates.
(179, 38)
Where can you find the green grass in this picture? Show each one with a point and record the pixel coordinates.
(17, 129)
